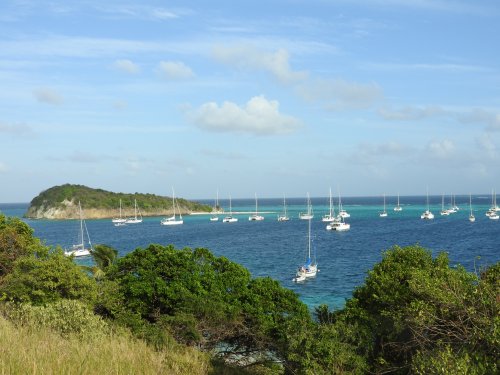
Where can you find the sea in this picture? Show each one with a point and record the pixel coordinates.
(277, 249)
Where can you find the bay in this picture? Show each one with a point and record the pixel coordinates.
(276, 249)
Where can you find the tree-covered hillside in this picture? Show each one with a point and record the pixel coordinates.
(60, 197)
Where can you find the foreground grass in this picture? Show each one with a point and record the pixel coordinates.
(27, 351)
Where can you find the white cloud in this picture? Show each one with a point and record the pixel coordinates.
(251, 58)
(340, 94)
(48, 96)
(489, 118)
(411, 113)
(3, 168)
(259, 117)
(175, 70)
(486, 146)
(444, 149)
(127, 66)
(17, 131)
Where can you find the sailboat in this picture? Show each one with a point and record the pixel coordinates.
(471, 215)
(330, 216)
(398, 207)
(338, 224)
(215, 210)
(135, 219)
(283, 216)
(256, 216)
(172, 220)
(79, 249)
(310, 266)
(119, 220)
(230, 218)
(492, 212)
(309, 214)
(443, 211)
(343, 213)
(427, 215)
(383, 213)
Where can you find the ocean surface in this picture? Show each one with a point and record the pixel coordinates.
(276, 249)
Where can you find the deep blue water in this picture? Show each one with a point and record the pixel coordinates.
(271, 248)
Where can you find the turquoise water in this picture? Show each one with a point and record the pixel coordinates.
(275, 249)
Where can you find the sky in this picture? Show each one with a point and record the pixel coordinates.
(272, 97)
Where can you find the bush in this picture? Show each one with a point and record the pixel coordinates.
(41, 280)
(66, 317)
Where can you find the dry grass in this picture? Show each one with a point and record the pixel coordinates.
(25, 351)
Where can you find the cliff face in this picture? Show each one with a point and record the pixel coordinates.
(61, 202)
(70, 211)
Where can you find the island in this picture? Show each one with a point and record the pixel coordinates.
(61, 202)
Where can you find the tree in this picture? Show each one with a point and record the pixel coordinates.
(16, 240)
(414, 308)
(46, 279)
(211, 302)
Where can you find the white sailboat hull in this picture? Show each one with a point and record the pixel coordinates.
(230, 220)
(256, 218)
(338, 226)
(427, 215)
(77, 252)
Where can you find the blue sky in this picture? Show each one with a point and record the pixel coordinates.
(268, 97)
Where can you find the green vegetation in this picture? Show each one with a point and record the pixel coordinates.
(102, 199)
(167, 310)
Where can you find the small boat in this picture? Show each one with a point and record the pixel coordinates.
(310, 267)
(256, 216)
(215, 209)
(135, 219)
(471, 215)
(230, 218)
(383, 213)
(398, 207)
(492, 212)
(342, 213)
(79, 249)
(173, 220)
(443, 211)
(120, 219)
(330, 216)
(427, 215)
(283, 216)
(309, 214)
(338, 224)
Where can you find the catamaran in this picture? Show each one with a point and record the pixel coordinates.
(283, 216)
(173, 220)
(230, 218)
(309, 214)
(79, 249)
(256, 216)
(135, 219)
(383, 213)
(310, 266)
(330, 216)
(338, 223)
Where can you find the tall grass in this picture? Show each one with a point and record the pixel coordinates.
(42, 351)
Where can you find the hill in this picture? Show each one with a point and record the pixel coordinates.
(61, 202)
